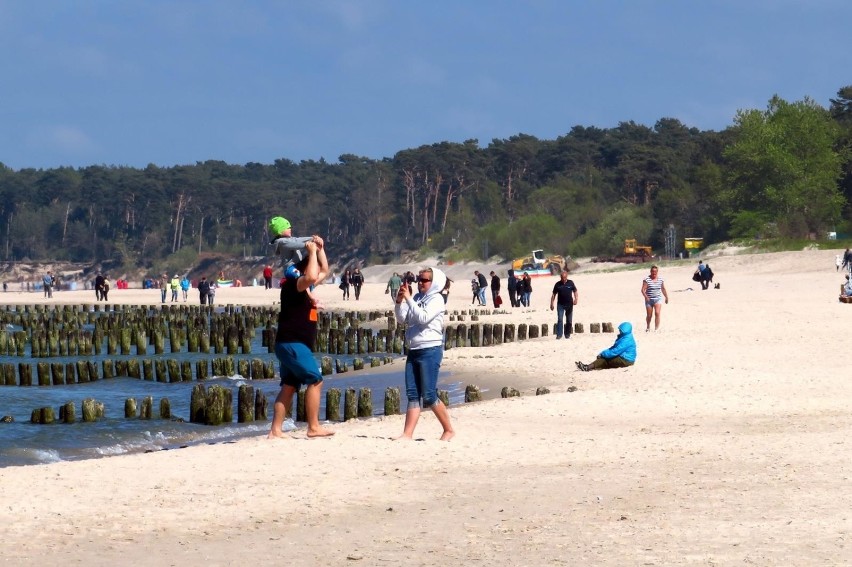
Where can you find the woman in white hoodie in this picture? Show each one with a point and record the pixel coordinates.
(423, 315)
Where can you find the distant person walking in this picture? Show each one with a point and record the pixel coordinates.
(495, 288)
(565, 295)
(512, 286)
(47, 281)
(483, 285)
(267, 277)
(653, 290)
(357, 280)
(203, 290)
(526, 289)
(394, 283)
(164, 287)
(345, 280)
(99, 287)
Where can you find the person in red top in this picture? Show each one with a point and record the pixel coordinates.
(295, 342)
(267, 276)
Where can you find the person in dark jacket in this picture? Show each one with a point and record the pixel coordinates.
(620, 355)
(512, 286)
(357, 280)
(483, 285)
(495, 288)
(203, 290)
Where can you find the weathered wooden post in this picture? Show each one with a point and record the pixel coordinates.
(532, 331)
(90, 410)
(147, 409)
(43, 371)
(444, 396)
(130, 408)
(332, 404)
(201, 370)
(109, 371)
(541, 391)
(350, 405)
(365, 403)
(260, 406)
(245, 403)
(594, 327)
(487, 334)
(325, 365)
(57, 371)
(25, 374)
(218, 405)
(148, 370)
(68, 412)
(472, 393)
(174, 370)
(165, 408)
(508, 392)
(392, 401)
(198, 404)
(300, 406)
(522, 331)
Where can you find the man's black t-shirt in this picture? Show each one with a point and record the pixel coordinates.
(565, 292)
(297, 321)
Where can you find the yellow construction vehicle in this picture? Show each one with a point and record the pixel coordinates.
(538, 264)
(635, 253)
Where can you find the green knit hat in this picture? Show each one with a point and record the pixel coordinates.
(277, 225)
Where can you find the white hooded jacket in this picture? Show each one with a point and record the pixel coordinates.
(423, 315)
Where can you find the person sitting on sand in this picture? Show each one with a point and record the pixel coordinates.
(620, 355)
(846, 290)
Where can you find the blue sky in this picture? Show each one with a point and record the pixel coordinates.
(107, 82)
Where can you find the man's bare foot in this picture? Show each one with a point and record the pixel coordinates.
(319, 432)
(277, 435)
(448, 435)
(403, 437)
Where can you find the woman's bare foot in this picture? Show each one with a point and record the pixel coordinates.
(403, 437)
(319, 432)
(448, 435)
(277, 435)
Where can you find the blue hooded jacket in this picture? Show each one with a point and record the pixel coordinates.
(624, 346)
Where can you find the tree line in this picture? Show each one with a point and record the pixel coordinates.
(783, 171)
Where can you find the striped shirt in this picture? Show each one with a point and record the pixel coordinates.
(653, 287)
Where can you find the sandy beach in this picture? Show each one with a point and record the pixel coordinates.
(726, 444)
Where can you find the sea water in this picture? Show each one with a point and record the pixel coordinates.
(24, 443)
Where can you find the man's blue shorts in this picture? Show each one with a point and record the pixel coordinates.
(297, 365)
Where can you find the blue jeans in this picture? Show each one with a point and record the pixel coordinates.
(568, 312)
(481, 294)
(421, 376)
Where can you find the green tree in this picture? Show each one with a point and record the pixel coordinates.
(783, 166)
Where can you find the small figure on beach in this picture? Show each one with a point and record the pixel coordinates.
(512, 286)
(565, 295)
(423, 315)
(185, 284)
(654, 290)
(495, 288)
(345, 280)
(48, 281)
(295, 340)
(394, 283)
(483, 285)
(620, 355)
(99, 287)
(203, 290)
(846, 290)
(267, 277)
(357, 280)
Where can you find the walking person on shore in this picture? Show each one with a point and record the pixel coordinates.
(344, 283)
(423, 316)
(512, 286)
(653, 290)
(294, 343)
(394, 283)
(357, 280)
(203, 290)
(47, 281)
(565, 295)
(495, 288)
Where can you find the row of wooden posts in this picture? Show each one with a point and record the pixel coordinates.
(162, 370)
(214, 405)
